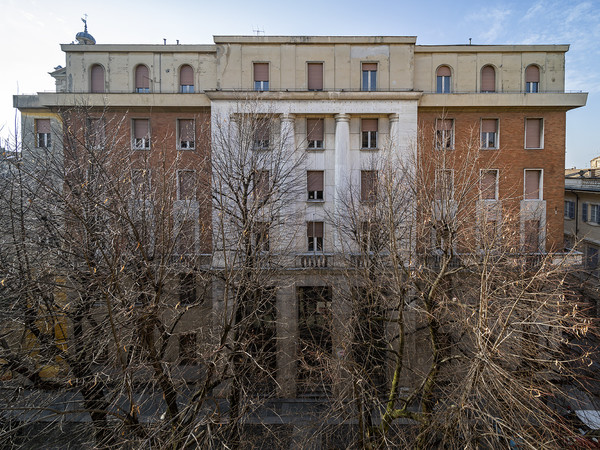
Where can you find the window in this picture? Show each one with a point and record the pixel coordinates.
(188, 348)
(261, 184)
(97, 78)
(489, 133)
(262, 134)
(488, 79)
(142, 79)
(314, 133)
(261, 76)
(444, 184)
(315, 76)
(532, 236)
(444, 134)
(569, 209)
(444, 78)
(532, 79)
(368, 185)
(489, 184)
(187, 288)
(369, 76)
(186, 185)
(314, 231)
(43, 133)
(314, 182)
(185, 234)
(95, 133)
(186, 133)
(533, 184)
(534, 133)
(261, 236)
(590, 213)
(140, 183)
(141, 134)
(591, 257)
(369, 133)
(186, 79)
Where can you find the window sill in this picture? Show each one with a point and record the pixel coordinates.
(186, 149)
(317, 201)
(488, 148)
(314, 149)
(534, 148)
(369, 149)
(141, 148)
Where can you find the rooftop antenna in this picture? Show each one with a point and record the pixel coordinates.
(257, 31)
(84, 23)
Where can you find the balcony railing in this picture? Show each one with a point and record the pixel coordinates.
(314, 260)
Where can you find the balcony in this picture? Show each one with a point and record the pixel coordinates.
(314, 260)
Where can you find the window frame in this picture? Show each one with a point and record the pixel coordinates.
(186, 88)
(91, 133)
(369, 137)
(103, 89)
(190, 145)
(146, 177)
(315, 243)
(496, 183)
(569, 212)
(180, 172)
(368, 79)
(541, 133)
(263, 85)
(443, 83)
(368, 177)
(316, 195)
(315, 144)
(146, 142)
(540, 184)
(441, 135)
(440, 190)
(533, 87)
(141, 90)
(496, 135)
(315, 63)
(43, 140)
(481, 79)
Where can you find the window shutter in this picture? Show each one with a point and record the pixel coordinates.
(444, 124)
(261, 72)
(488, 79)
(488, 185)
(315, 76)
(367, 184)
(489, 125)
(314, 229)
(584, 212)
(186, 130)
(532, 133)
(186, 76)
(314, 129)
(369, 125)
(141, 128)
(142, 79)
(43, 125)
(262, 131)
(97, 78)
(532, 74)
(314, 180)
(443, 71)
(261, 183)
(532, 184)
(371, 67)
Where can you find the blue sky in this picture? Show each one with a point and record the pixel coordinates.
(31, 32)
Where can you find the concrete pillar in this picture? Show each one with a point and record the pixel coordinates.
(287, 338)
(342, 175)
(341, 338)
(394, 133)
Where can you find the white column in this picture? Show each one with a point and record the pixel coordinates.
(394, 133)
(342, 174)
(287, 131)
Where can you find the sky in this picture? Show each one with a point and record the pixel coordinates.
(31, 32)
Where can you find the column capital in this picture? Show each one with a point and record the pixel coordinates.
(394, 117)
(285, 117)
(342, 117)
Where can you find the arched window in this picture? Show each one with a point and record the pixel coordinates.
(142, 79)
(444, 80)
(97, 78)
(532, 79)
(186, 79)
(488, 79)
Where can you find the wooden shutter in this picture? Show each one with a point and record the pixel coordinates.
(532, 133)
(314, 129)
(261, 71)
(369, 125)
(261, 186)
(488, 79)
(443, 71)
(371, 67)
(488, 185)
(43, 125)
(314, 229)
(584, 212)
(97, 83)
(315, 76)
(142, 79)
(532, 74)
(368, 180)
(489, 125)
(187, 184)
(141, 128)
(444, 124)
(186, 130)
(186, 76)
(532, 184)
(314, 180)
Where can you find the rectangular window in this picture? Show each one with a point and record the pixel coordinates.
(534, 133)
(532, 236)
(261, 185)
(262, 134)
(489, 184)
(569, 209)
(444, 184)
(187, 288)
(140, 183)
(590, 213)
(368, 185)
(43, 133)
(314, 232)
(141, 134)
(261, 236)
(314, 183)
(591, 257)
(261, 76)
(186, 237)
(186, 185)
(533, 185)
(95, 133)
(369, 76)
(314, 133)
(188, 348)
(489, 133)
(369, 133)
(444, 134)
(315, 76)
(186, 134)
